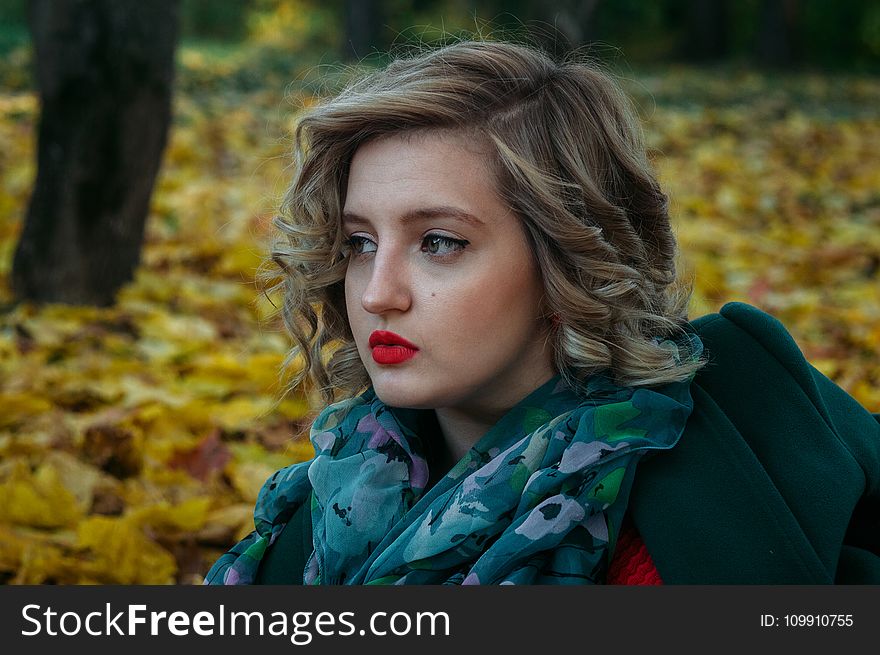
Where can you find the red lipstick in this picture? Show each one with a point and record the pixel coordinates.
(391, 348)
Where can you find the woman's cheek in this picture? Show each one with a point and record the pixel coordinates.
(472, 315)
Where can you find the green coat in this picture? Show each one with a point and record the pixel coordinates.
(776, 478)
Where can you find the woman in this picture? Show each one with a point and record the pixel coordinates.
(478, 233)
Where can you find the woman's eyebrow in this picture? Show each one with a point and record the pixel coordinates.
(421, 214)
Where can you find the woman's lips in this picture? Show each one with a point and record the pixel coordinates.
(392, 354)
(390, 348)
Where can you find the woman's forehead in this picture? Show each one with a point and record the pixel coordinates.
(420, 178)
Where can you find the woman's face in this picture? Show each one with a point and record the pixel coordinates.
(438, 260)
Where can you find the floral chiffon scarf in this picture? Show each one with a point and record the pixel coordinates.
(539, 499)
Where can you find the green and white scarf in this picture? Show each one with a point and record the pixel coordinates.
(538, 500)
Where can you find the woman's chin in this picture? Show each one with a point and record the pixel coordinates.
(399, 393)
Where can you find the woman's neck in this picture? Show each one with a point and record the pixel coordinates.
(461, 430)
(462, 427)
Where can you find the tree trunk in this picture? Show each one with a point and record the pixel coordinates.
(560, 26)
(777, 46)
(707, 22)
(363, 27)
(104, 73)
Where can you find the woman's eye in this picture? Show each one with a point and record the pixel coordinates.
(437, 244)
(360, 245)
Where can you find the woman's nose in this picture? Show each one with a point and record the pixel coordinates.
(387, 287)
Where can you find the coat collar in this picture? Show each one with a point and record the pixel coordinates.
(709, 513)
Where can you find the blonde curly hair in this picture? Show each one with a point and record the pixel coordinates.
(568, 158)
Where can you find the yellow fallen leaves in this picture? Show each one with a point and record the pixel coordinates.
(134, 439)
(775, 194)
(17, 408)
(121, 553)
(57, 495)
(133, 548)
(36, 498)
(116, 466)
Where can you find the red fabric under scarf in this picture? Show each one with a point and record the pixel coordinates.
(632, 564)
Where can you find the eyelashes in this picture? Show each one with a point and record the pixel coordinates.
(355, 245)
(432, 243)
(438, 246)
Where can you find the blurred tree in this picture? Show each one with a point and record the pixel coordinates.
(572, 20)
(363, 25)
(104, 71)
(12, 24)
(209, 19)
(706, 36)
(556, 25)
(777, 33)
